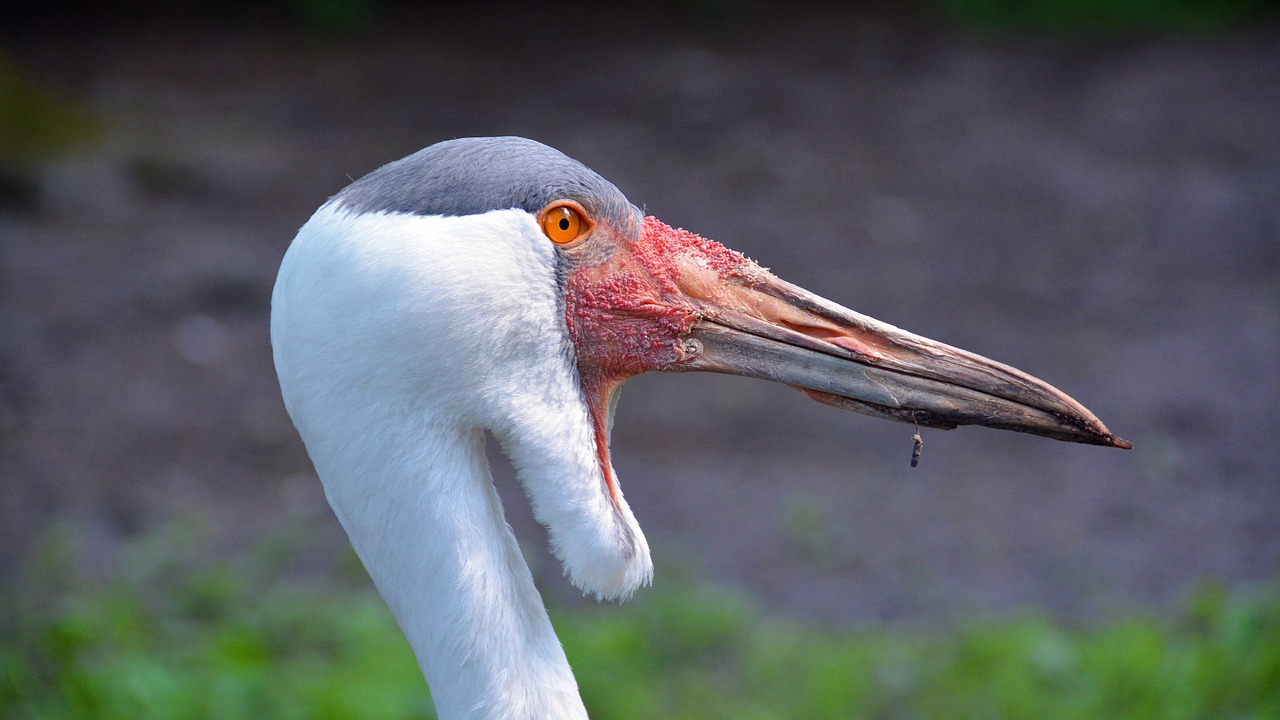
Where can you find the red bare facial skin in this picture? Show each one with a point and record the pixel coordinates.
(626, 315)
(629, 312)
(667, 299)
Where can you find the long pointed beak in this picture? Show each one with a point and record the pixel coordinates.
(767, 328)
(676, 302)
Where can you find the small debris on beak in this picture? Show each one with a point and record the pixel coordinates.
(916, 449)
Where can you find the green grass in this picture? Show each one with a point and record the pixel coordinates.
(1106, 17)
(171, 636)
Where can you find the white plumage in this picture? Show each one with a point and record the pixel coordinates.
(426, 304)
(375, 321)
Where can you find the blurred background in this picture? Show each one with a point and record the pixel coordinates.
(1088, 190)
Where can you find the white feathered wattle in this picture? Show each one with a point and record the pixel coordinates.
(411, 315)
(399, 339)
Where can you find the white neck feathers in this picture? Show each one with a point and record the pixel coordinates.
(398, 340)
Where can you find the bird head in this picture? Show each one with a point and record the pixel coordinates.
(517, 289)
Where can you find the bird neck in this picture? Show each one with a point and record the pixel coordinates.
(397, 345)
(428, 525)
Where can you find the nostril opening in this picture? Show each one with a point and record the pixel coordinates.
(688, 349)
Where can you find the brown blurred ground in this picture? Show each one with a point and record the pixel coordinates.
(1103, 214)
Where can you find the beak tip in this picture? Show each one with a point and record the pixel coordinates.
(1116, 441)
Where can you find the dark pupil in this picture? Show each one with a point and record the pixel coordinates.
(564, 223)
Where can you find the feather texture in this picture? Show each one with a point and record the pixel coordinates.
(399, 339)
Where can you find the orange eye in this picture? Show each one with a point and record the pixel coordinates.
(564, 223)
